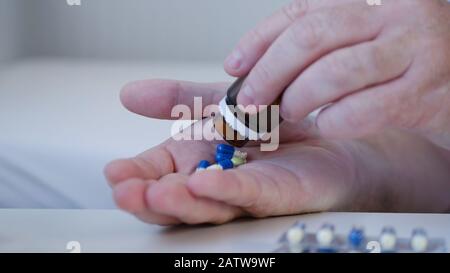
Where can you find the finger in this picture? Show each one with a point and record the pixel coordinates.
(305, 178)
(241, 188)
(364, 113)
(176, 154)
(254, 188)
(297, 131)
(302, 43)
(130, 196)
(342, 73)
(151, 164)
(171, 197)
(141, 97)
(156, 98)
(255, 43)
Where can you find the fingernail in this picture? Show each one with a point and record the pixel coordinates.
(234, 61)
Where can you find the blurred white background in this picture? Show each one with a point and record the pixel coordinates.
(61, 70)
(167, 30)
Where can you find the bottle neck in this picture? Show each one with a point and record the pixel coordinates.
(237, 127)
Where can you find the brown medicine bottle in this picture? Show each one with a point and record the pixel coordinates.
(238, 128)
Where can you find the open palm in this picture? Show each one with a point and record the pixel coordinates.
(160, 185)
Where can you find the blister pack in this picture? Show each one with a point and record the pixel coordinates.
(297, 239)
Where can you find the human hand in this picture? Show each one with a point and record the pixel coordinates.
(376, 67)
(303, 175)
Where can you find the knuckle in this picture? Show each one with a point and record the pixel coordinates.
(335, 67)
(309, 97)
(305, 94)
(157, 198)
(308, 32)
(360, 63)
(257, 37)
(340, 65)
(163, 197)
(262, 74)
(296, 9)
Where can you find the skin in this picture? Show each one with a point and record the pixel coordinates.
(384, 140)
(385, 172)
(377, 67)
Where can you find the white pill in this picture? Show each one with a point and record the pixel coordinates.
(388, 241)
(215, 167)
(295, 235)
(295, 248)
(325, 237)
(240, 154)
(419, 242)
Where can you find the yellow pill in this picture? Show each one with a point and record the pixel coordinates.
(237, 161)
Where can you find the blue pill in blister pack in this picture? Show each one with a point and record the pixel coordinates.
(356, 237)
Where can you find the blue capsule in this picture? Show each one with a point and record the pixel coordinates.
(326, 250)
(222, 156)
(226, 164)
(203, 165)
(225, 149)
(227, 157)
(356, 237)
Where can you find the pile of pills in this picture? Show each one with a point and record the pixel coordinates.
(325, 239)
(227, 157)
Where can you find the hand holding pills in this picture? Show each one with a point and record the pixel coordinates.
(374, 67)
(380, 69)
(161, 185)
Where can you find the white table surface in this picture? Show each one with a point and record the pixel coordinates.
(115, 231)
